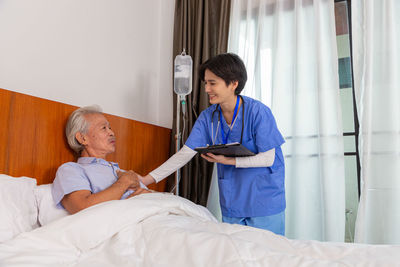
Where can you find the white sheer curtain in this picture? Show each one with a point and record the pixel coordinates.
(376, 45)
(289, 48)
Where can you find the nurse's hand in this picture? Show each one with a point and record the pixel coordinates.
(146, 180)
(210, 157)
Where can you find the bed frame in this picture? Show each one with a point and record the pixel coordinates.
(33, 143)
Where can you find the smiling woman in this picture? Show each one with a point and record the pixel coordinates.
(251, 188)
(216, 88)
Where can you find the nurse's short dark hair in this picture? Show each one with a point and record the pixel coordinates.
(228, 67)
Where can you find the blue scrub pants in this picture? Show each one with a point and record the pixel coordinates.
(274, 223)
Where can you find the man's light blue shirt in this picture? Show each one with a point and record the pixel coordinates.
(88, 173)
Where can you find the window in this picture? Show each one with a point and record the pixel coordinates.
(349, 113)
(284, 56)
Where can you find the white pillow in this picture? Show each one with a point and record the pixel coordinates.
(18, 210)
(48, 211)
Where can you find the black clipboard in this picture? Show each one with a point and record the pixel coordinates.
(228, 150)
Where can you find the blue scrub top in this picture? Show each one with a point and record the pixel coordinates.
(246, 192)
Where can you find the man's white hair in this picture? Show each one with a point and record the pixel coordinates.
(77, 123)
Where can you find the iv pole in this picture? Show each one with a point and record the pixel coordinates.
(178, 138)
(183, 70)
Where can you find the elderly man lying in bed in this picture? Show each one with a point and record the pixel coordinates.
(92, 179)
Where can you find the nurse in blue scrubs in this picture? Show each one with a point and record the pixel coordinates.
(252, 190)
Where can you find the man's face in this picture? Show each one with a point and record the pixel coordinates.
(99, 139)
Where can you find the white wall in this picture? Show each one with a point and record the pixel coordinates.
(115, 53)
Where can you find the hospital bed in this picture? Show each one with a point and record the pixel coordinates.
(157, 229)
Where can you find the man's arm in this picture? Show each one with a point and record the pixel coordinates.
(139, 191)
(82, 199)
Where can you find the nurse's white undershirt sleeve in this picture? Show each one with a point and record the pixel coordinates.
(185, 154)
(263, 159)
(178, 160)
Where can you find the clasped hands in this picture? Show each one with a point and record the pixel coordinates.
(130, 179)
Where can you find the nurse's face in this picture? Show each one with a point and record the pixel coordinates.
(217, 90)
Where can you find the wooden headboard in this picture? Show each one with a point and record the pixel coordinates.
(33, 143)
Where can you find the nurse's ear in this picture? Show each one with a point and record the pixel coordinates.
(233, 85)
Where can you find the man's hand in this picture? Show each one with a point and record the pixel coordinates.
(139, 191)
(81, 199)
(129, 179)
(219, 159)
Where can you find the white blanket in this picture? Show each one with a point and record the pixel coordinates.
(165, 230)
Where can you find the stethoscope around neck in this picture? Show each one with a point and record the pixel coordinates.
(217, 108)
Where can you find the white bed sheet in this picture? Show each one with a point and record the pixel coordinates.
(165, 230)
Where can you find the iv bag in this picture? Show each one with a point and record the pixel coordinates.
(183, 74)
